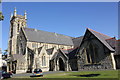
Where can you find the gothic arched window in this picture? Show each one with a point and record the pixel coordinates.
(18, 27)
(92, 53)
(43, 60)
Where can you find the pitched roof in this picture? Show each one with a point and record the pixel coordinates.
(47, 37)
(77, 41)
(57, 54)
(67, 51)
(102, 38)
(54, 56)
(62, 51)
(73, 54)
(111, 42)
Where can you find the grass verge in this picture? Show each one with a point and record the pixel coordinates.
(81, 75)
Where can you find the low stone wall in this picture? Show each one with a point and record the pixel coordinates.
(105, 63)
(93, 67)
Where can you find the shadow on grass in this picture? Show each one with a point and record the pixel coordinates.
(87, 75)
(62, 79)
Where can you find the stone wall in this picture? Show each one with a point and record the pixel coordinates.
(103, 64)
(33, 45)
(94, 55)
(73, 64)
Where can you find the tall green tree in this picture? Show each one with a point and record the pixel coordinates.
(1, 15)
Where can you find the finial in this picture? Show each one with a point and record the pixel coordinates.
(15, 9)
(25, 14)
(15, 12)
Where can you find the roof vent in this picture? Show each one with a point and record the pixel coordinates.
(55, 33)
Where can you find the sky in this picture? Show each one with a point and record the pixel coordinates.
(60, 0)
(68, 18)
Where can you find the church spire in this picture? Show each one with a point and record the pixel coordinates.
(25, 14)
(15, 12)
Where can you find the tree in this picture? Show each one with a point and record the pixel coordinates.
(1, 16)
(5, 52)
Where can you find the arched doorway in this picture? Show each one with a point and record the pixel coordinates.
(51, 65)
(61, 65)
(30, 62)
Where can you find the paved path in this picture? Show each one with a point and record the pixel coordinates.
(28, 74)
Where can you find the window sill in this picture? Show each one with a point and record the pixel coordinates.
(44, 66)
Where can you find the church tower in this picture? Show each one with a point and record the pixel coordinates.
(16, 23)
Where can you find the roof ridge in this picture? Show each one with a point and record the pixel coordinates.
(49, 32)
(102, 38)
(110, 38)
(99, 32)
(77, 37)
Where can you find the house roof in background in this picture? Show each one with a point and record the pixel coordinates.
(77, 41)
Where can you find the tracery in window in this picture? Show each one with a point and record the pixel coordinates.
(91, 53)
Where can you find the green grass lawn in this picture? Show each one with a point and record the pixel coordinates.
(81, 75)
(85, 74)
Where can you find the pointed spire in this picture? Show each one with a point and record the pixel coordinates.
(25, 14)
(11, 16)
(15, 12)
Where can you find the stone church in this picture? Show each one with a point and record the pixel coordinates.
(31, 48)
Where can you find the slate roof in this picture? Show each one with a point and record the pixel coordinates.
(77, 41)
(62, 51)
(67, 51)
(47, 37)
(102, 38)
(49, 51)
(112, 42)
(73, 54)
